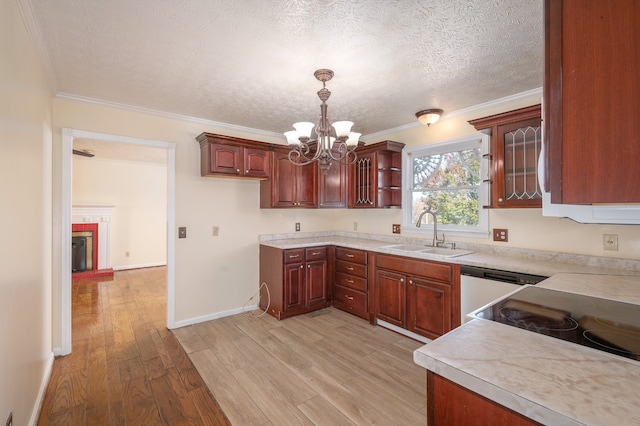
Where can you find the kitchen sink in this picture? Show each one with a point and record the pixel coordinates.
(440, 251)
(407, 247)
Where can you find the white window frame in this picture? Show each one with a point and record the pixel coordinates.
(478, 231)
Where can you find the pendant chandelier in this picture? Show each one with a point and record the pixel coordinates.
(326, 148)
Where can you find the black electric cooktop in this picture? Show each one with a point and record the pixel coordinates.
(607, 325)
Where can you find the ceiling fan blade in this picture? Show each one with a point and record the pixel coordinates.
(83, 153)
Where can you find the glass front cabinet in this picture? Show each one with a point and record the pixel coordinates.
(516, 141)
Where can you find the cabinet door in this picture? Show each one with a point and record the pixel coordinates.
(429, 307)
(390, 297)
(591, 73)
(291, 185)
(515, 164)
(316, 282)
(333, 186)
(226, 159)
(363, 182)
(256, 162)
(294, 286)
(307, 185)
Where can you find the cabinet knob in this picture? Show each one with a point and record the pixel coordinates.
(246, 171)
(500, 200)
(301, 266)
(411, 282)
(308, 266)
(401, 280)
(238, 170)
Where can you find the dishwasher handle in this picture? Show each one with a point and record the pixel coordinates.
(498, 275)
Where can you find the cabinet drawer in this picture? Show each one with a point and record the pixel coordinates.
(351, 281)
(294, 256)
(351, 268)
(351, 255)
(350, 299)
(316, 253)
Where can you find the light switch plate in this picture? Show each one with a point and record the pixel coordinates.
(182, 232)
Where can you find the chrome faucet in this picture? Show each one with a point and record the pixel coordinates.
(436, 242)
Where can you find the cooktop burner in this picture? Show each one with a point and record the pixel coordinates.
(607, 325)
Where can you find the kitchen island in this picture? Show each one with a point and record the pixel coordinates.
(548, 380)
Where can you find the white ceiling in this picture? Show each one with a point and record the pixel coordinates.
(250, 63)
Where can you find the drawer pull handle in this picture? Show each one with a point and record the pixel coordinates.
(349, 268)
(293, 256)
(315, 253)
(350, 255)
(348, 297)
(349, 281)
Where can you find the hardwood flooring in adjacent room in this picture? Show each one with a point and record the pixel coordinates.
(125, 368)
(323, 368)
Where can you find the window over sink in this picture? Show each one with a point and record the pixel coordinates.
(449, 178)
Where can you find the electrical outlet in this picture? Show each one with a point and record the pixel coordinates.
(10, 419)
(610, 242)
(182, 232)
(501, 235)
(355, 226)
(215, 231)
(297, 226)
(395, 228)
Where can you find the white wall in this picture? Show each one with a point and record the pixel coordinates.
(25, 220)
(139, 192)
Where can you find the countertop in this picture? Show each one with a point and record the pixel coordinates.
(504, 258)
(541, 377)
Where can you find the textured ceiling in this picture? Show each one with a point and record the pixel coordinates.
(251, 62)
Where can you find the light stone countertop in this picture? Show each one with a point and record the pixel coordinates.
(504, 258)
(541, 377)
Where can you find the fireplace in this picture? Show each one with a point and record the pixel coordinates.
(84, 247)
(90, 241)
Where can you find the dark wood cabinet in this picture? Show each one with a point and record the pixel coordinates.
(333, 186)
(451, 404)
(376, 176)
(391, 295)
(226, 156)
(429, 305)
(516, 142)
(294, 281)
(591, 87)
(351, 283)
(290, 185)
(421, 296)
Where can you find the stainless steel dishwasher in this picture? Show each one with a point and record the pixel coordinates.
(480, 286)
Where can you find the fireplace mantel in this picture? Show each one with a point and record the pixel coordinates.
(100, 214)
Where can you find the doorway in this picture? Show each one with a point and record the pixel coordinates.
(64, 271)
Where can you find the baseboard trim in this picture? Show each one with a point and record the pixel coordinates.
(35, 414)
(402, 331)
(197, 320)
(142, 265)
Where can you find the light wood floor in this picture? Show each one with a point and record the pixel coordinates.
(323, 368)
(125, 368)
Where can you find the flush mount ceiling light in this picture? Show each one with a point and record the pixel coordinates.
(428, 116)
(327, 147)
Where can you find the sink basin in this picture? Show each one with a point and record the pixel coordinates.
(406, 247)
(440, 251)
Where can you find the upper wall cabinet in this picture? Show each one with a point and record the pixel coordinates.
(592, 102)
(290, 186)
(376, 176)
(233, 157)
(516, 141)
